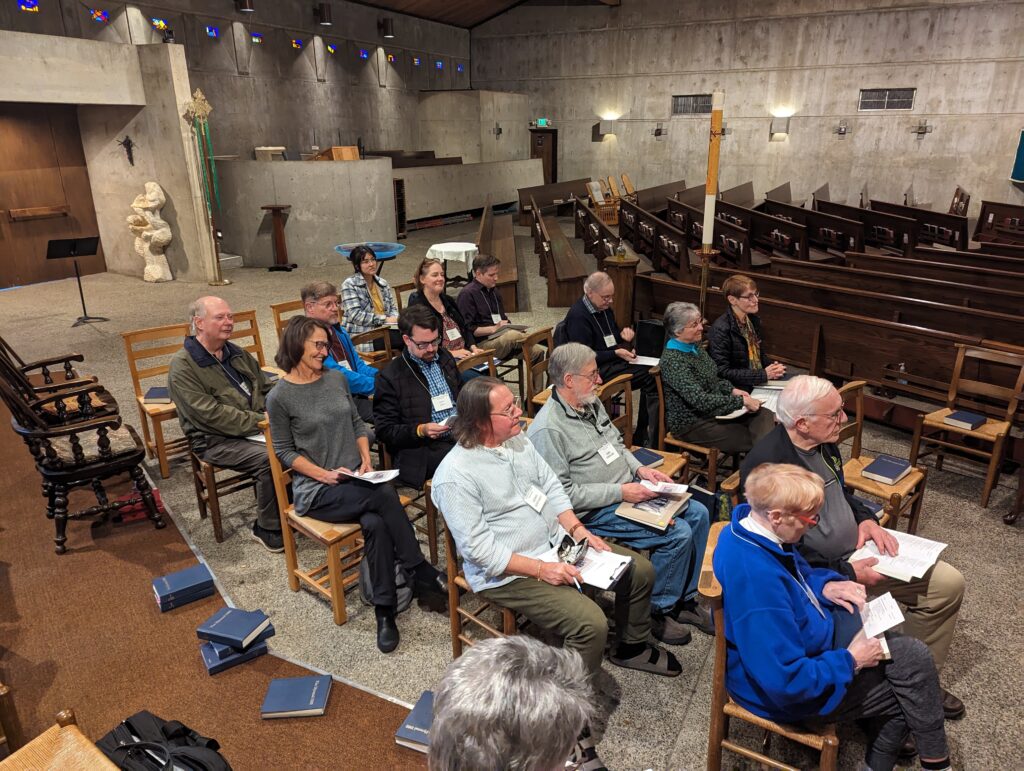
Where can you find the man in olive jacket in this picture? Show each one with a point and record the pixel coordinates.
(219, 392)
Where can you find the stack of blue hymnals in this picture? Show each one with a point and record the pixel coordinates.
(232, 636)
(181, 588)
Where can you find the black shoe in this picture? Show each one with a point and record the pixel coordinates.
(387, 631)
(693, 614)
(669, 631)
(430, 587)
(952, 707)
(271, 540)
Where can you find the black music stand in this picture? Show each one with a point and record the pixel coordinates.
(74, 248)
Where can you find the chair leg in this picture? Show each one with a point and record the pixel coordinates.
(337, 587)
(829, 754)
(142, 485)
(213, 499)
(147, 439)
(48, 494)
(992, 476)
(198, 482)
(60, 517)
(431, 529)
(713, 469)
(161, 449)
(915, 444)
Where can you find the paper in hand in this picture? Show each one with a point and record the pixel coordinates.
(376, 477)
(880, 615)
(664, 488)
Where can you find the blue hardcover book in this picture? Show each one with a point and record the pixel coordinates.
(234, 627)
(178, 600)
(223, 651)
(296, 696)
(215, 665)
(414, 732)
(964, 419)
(157, 395)
(182, 583)
(875, 507)
(886, 469)
(648, 458)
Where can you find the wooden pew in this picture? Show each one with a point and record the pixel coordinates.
(972, 259)
(960, 203)
(933, 227)
(548, 196)
(652, 199)
(942, 271)
(598, 239)
(1007, 250)
(782, 194)
(884, 231)
(564, 269)
(826, 232)
(1000, 222)
(732, 241)
(772, 235)
(1005, 327)
(741, 195)
(948, 292)
(495, 237)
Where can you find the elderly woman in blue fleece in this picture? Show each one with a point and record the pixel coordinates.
(796, 650)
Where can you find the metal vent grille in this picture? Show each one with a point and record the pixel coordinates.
(691, 104)
(887, 99)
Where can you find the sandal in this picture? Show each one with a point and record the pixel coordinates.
(584, 755)
(653, 659)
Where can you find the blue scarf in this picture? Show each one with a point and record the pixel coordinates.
(679, 345)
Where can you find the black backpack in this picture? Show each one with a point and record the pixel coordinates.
(145, 742)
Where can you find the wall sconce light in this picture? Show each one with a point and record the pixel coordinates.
(842, 129)
(386, 27)
(921, 129)
(778, 131)
(322, 14)
(245, 6)
(602, 129)
(658, 132)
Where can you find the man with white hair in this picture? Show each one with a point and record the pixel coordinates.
(810, 413)
(219, 392)
(574, 434)
(591, 321)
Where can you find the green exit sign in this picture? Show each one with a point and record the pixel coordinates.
(542, 122)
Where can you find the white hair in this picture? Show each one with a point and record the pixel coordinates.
(595, 281)
(678, 315)
(568, 358)
(797, 397)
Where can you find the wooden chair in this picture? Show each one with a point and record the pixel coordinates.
(537, 348)
(627, 185)
(80, 399)
(210, 488)
(932, 430)
(419, 502)
(723, 708)
(44, 376)
(375, 358)
(343, 542)
(478, 360)
(283, 313)
(666, 439)
(398, 289)
(62, 746)
(84, 453)
(462, 618)
(149, 353)
(903, 499)
(619, 391)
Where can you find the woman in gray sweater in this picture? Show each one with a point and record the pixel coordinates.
(319, 435)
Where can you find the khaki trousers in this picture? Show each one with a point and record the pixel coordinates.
(577, 618)
(504, 345)
(932, 606)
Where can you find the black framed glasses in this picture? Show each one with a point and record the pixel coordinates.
(424, 346)
(572, 552)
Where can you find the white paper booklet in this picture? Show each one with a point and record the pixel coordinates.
(376, 477)
(880, 615)
(664, 488)
(646, 361)
(769, 397)
(916, 556)
(258, 438)
(732, 415)
(600, 569)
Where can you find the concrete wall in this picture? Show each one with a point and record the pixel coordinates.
(271, 93)
(431, 191)
(333, 202)
(462, 123)
(966, 60)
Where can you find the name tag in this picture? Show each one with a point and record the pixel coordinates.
(441, 402)
(609, 340)
(608, 453)
(536, 499)
(245, 388)
(344, 364)
(495, 318)
(453, 333)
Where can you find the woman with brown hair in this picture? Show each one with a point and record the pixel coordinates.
(456, 337)
(735, 341)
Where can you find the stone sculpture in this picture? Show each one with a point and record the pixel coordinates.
(152, 234)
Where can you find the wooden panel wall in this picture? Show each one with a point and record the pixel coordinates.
(44, 192)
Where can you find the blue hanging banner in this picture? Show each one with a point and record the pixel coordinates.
(1017, 175)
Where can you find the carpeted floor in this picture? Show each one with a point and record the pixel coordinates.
(653, 722)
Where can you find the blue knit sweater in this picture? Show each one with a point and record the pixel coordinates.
(780, 663)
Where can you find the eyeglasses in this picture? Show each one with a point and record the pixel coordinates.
(750, 296)
(513, 411)
(810, 521)
(321, 345)
(606, 298)
(424, 346)
(697, 323)
(329, 304)
(593, 377)
(833, 417)
(572, 552)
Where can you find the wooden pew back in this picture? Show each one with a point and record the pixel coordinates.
(824, 231)
(973, 259)
(495, 236)
(932, 227)
(652, 199)
(1000, 222)
(598, 239)
(884, 231)
(943, 271)
(771, 234)
(547, 196)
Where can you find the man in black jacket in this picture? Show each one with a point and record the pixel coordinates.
(810, 413)
(415, 398)
(591, 321)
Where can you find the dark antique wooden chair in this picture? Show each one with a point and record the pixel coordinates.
(80, 398)
(44, 375)
(77, 454)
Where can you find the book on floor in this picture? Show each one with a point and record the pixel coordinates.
(180, 584)
(178, 600)
(887, 469)
(157, 395)
(233, 626)
(414, 732)
(215, 664)
(296, 696)
(648, 458)
(915, 558)
(656, 513)
(964, 419)
(224, 651)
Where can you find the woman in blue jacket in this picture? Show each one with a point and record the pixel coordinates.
(796, 651)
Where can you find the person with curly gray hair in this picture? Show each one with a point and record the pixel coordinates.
(515, 703)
